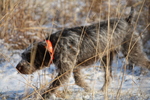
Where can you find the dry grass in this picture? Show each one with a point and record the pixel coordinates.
(25, 21)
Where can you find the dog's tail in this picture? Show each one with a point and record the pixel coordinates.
(130, 18)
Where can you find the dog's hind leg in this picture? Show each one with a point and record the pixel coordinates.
(134, 53)
(79, 79)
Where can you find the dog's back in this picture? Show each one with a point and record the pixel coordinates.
(89, 41)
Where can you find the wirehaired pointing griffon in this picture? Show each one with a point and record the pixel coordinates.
(72, 49)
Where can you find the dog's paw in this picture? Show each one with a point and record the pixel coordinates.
(88, 89)
(104, 88)
(49, 96)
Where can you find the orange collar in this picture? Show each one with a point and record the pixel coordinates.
(49, 47)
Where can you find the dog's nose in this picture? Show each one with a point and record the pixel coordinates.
(19, 67)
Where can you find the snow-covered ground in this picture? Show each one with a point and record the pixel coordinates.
(135, 86)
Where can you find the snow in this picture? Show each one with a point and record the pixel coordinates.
(13, 85)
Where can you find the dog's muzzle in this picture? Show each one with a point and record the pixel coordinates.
(24, 67)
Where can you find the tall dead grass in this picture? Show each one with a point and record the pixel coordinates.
(24, 21)
(21, 22)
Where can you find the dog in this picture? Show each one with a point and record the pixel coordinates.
(72, 49)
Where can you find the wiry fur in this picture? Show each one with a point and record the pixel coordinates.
(78, 47)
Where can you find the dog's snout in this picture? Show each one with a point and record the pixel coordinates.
(22, 67)
(18, 67)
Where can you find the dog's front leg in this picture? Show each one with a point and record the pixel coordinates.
(62, 78)
(107, 62)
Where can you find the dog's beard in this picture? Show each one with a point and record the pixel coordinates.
(25, 67)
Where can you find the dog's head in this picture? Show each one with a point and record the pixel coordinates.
(35, 57)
